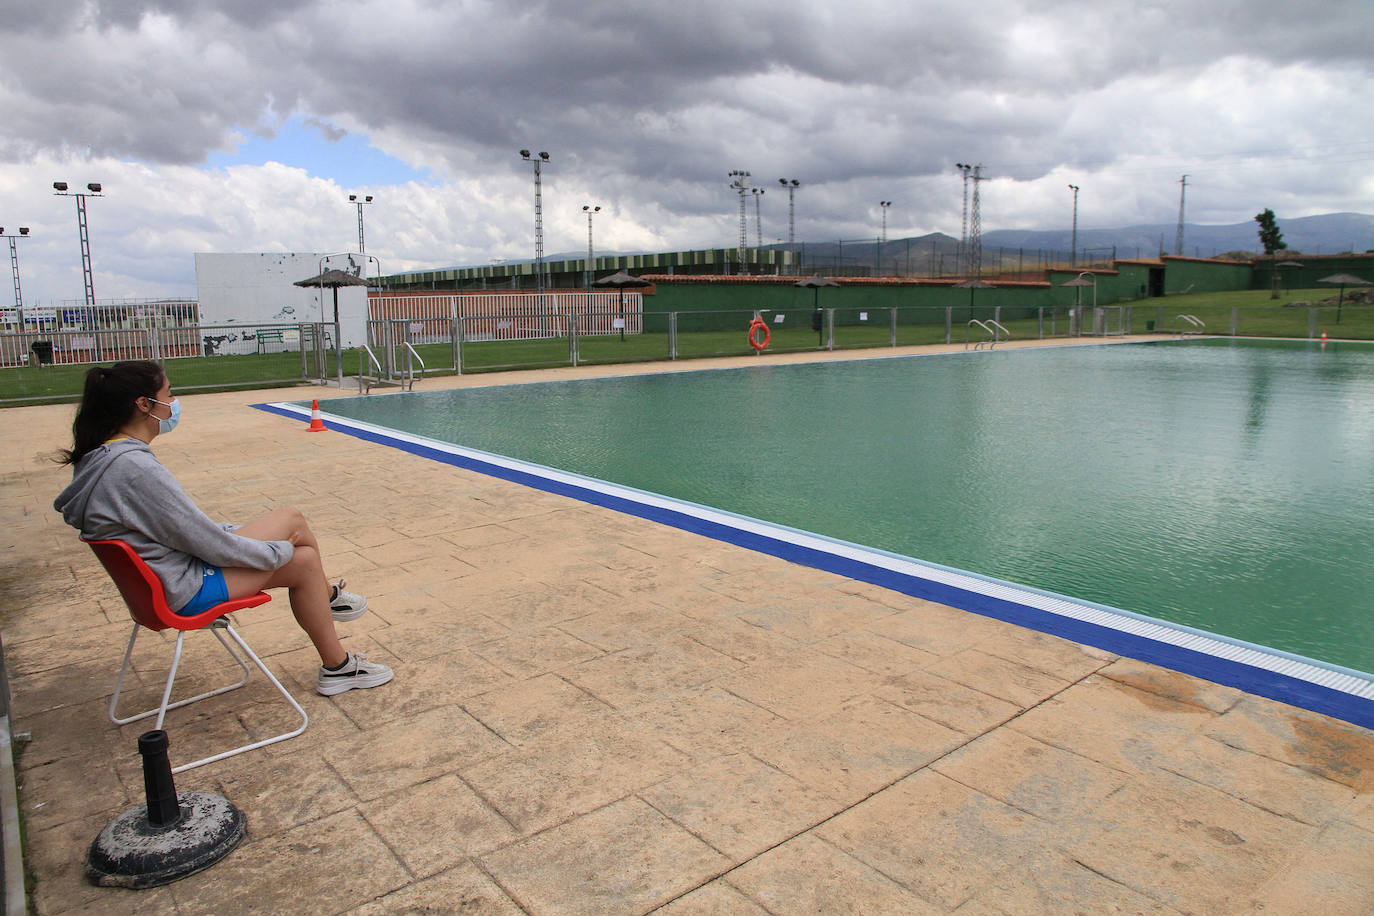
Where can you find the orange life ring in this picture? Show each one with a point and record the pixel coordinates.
(754, 327)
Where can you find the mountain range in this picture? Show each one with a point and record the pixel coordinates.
(1328, 233)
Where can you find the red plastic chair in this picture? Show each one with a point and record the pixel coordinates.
(142, 592)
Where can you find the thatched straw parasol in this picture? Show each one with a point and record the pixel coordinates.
(333, 279)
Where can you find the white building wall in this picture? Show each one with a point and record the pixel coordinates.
(259, 288)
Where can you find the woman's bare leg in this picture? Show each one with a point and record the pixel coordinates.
(303, 577)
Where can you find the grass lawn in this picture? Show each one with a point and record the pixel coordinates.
(1256, 315)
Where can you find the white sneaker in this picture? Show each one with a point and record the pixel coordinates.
(346, 605)
(356, 674)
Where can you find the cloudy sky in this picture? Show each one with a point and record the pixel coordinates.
(242, 125)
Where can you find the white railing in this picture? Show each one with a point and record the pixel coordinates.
(510, 316)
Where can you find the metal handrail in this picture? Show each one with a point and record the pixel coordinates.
(410, 369)
(364, 381)
(1193, 320)
(978, 345)
(1006, 335)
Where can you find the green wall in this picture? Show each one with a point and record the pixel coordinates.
(1313, 268)
(1129, 282)
(1184, 275)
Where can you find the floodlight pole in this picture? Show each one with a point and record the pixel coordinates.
(353, 198)
(791, 184)
(538, 162)
(93, 189)
(14, 262)
(962, 257)
(1073, 243)
(975, 229)
(1178, 239)
(740, 184)
(591, 265)
(758, 217)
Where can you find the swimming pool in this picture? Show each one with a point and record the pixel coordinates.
(1220, 485)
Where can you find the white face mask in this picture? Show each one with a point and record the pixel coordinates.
(169, 424)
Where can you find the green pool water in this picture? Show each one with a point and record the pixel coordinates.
(1226, 485)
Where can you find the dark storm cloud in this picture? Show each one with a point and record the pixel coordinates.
(649, 89)
(645, 106)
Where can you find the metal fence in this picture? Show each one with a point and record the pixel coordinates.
(512, 316)
(209, 355)
(445, 336)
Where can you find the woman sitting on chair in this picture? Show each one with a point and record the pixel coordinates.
(119, 490)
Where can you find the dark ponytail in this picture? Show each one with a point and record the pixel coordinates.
(107, 403)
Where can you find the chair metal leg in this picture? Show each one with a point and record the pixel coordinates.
(305, 719)
(161, 709)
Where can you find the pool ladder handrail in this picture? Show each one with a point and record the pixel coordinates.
(407, 381)
(1198, 325)
(365, 381)
(994, 330)
(412, 357)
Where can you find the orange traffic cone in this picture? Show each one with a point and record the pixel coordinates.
(316, 421)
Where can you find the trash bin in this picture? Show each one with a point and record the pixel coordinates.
(1149, 325)
(42, 349)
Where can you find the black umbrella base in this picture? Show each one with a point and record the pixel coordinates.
(132, 852)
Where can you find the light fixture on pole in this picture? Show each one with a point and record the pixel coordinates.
(1182, 193)
(591, 267)
(962, 258)
(791, 184)
(1073, 239)
(884, 204)
(93, 189)
(14, 262)
(538, 162)
(739, 183)
(360, 203)
(758, 218)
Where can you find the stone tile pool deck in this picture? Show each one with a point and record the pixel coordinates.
(593, 713)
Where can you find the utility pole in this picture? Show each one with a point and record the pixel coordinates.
(1073, 244)
(1182, 190)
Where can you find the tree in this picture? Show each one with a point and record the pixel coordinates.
(1269, 235)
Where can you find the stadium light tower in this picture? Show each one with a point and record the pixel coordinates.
(360, 203)
(1073, 239)
(93, 189)
(739, 183)
(589, 210)
(791, 184)
(14, 262)
(884, 204)
(971, 241)
(538, 162)
(1178, 239)
(758, 215)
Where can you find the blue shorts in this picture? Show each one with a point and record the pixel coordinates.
(213, 591)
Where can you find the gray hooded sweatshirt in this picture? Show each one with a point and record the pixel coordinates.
(120, 490)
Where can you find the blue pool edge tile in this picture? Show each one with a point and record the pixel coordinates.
(1272, 685)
